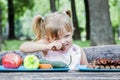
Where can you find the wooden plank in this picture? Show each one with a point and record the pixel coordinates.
(72, 75)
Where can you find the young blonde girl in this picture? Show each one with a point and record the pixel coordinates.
(54, 38)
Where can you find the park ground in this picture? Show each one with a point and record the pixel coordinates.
(15, 44)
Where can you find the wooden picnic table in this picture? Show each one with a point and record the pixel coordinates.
(108, 51)
(70, 75)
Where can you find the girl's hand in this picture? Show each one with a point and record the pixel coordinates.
(55, 45)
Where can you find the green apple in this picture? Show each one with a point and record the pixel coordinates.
(31, 62)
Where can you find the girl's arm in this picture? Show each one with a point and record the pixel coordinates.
(41, 45)
(32, 46)
(84, 60)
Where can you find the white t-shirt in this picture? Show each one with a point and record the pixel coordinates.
(74, 52)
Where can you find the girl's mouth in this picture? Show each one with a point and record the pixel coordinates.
(63, 49)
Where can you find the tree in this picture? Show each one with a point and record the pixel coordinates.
(11, 19)
(100, 24)
(16, 8)
(0, 28)
(87, 20)
(76, 35)
(52, 5)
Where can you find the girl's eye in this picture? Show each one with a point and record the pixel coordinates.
(67, 35)
(56, 39)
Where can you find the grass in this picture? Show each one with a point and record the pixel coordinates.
(15, 44)
(82, 43)
(117, 41)
(11, 45)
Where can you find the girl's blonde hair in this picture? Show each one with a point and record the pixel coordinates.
(52, 24)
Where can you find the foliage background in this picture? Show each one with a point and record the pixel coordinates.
(23, 21)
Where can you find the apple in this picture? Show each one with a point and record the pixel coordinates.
(31, 62)
(11, 60)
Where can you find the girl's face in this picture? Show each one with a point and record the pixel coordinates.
(66, 41)
(65, 38)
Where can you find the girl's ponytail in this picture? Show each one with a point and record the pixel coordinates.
(37, 27)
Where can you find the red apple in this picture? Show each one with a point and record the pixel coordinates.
(11, 60)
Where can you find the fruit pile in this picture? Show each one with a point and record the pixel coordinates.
(13, 61)
(104, 63)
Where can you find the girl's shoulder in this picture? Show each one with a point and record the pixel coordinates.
(76, 48)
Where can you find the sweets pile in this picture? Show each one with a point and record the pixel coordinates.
(104, 63)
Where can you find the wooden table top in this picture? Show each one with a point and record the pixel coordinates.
(70, 75)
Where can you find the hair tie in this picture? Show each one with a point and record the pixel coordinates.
(43, 18)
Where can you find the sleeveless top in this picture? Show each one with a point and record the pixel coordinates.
(72, 57)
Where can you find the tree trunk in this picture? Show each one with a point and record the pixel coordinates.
(87, 20)
(0, 28)
(76, 35)
(100, 24)
(52, 5)
(11, 20)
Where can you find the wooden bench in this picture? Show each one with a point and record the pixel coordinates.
(105, 51)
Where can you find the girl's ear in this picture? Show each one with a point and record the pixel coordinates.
(68, 12)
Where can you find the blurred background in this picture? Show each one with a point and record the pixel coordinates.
(96, 22)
